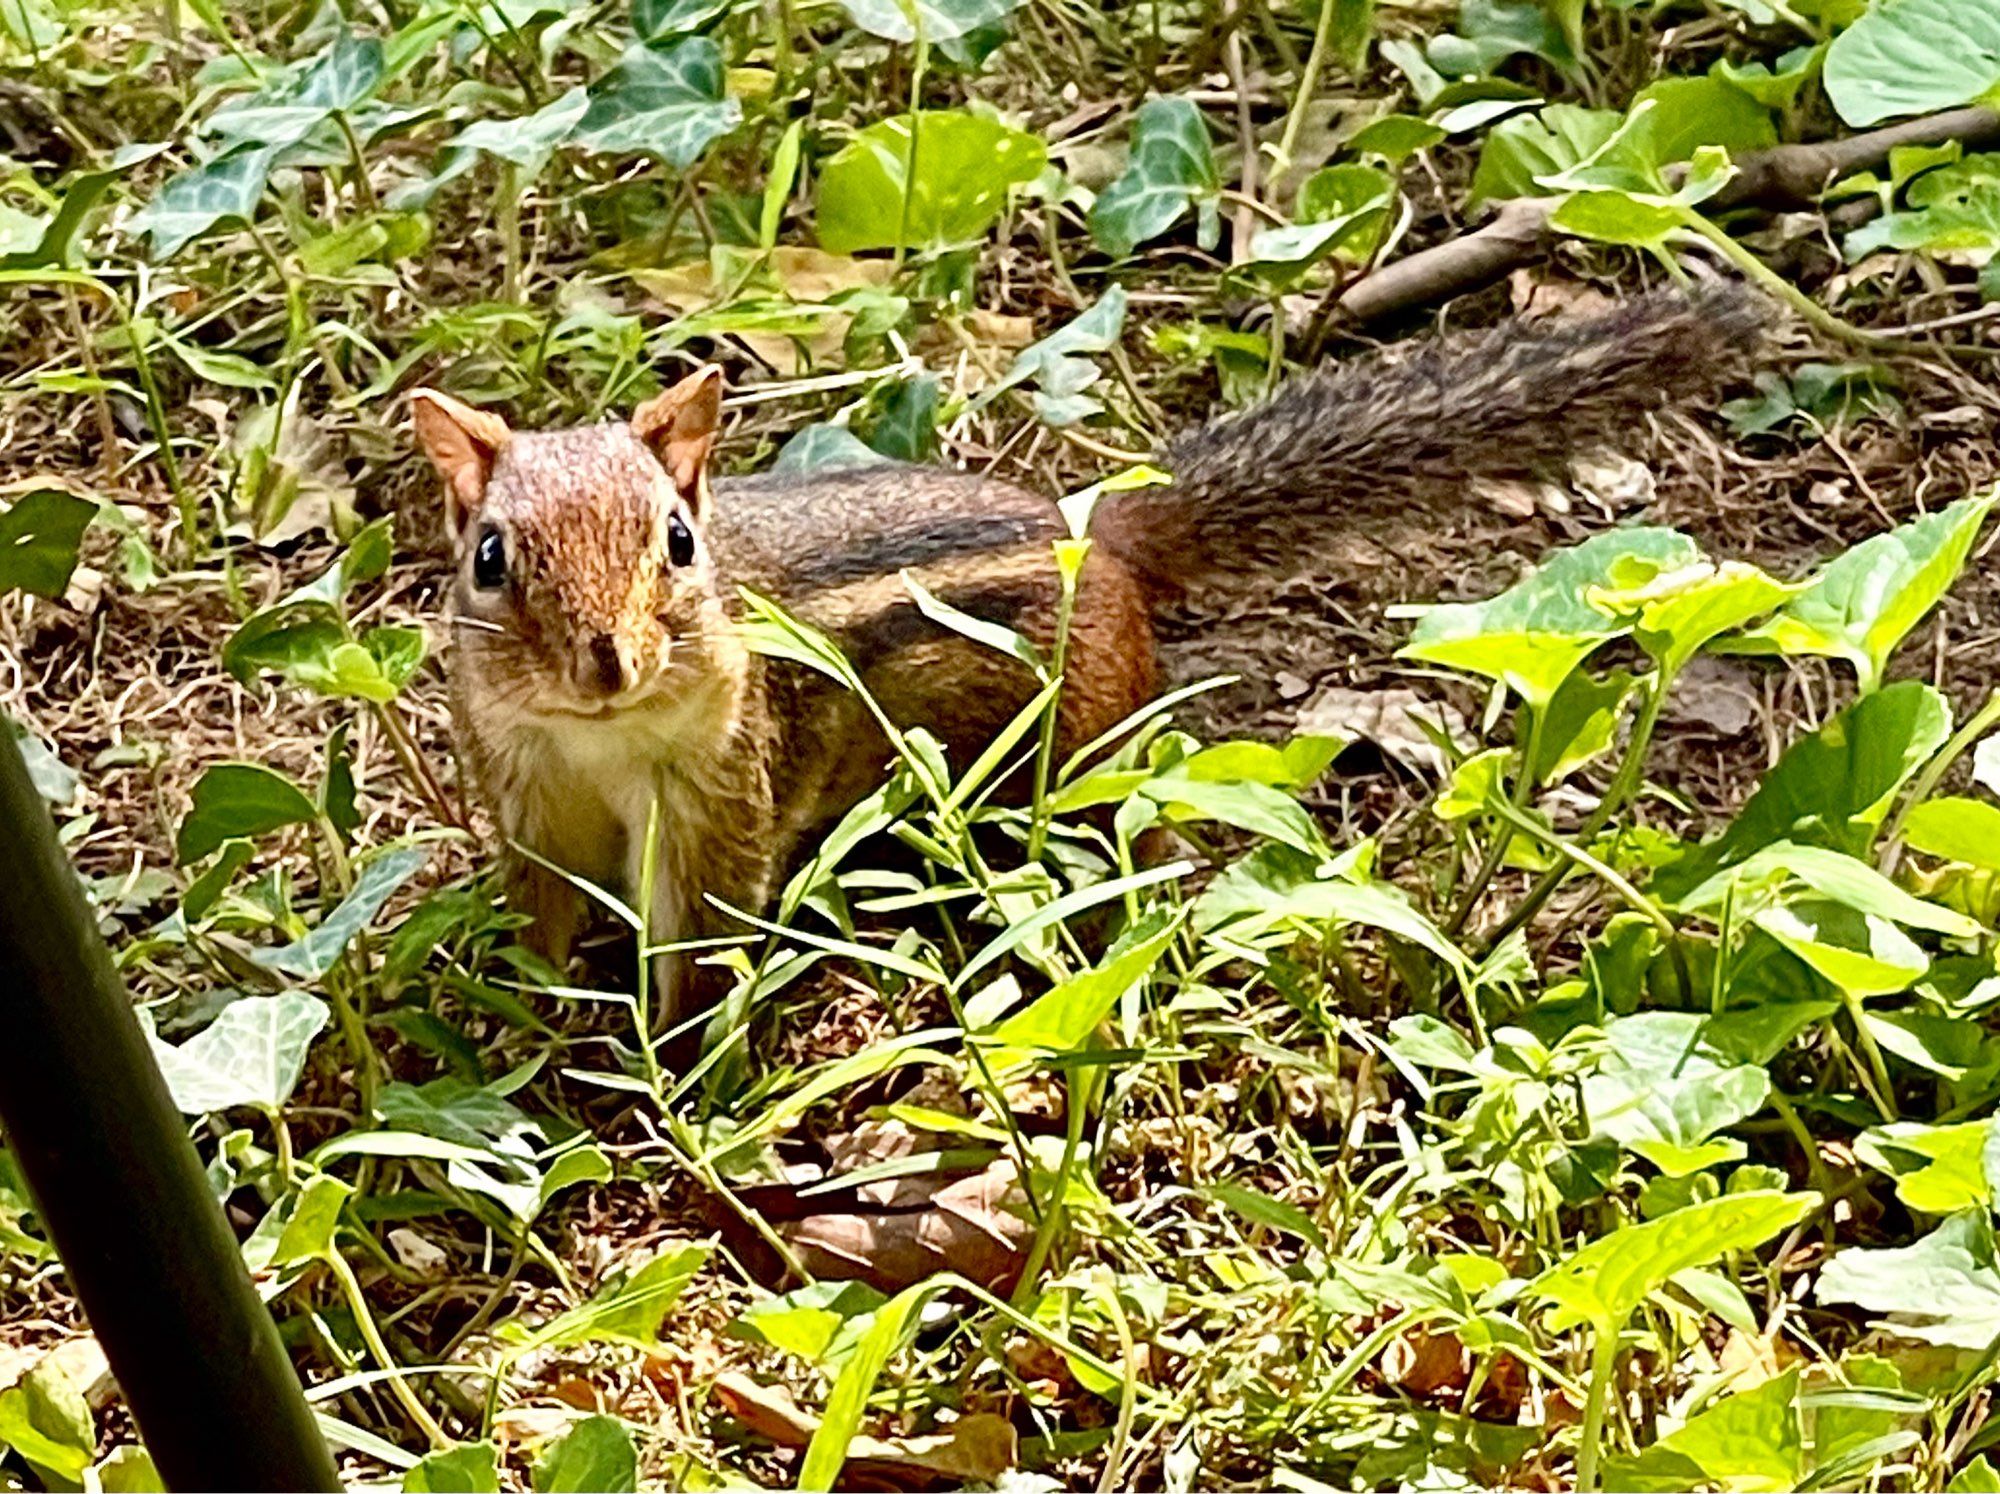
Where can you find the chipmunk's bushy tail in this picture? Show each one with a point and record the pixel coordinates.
(1406, 431)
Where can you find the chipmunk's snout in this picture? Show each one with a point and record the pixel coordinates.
(600, 667)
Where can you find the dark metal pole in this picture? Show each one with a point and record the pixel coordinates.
(122, 1194)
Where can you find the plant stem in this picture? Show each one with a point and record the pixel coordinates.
(1045, 749)
(1308, 82)
(1603, 1364)
(910, 154)
(1962, 741)
(1618, 884)
(371, 1335)
(1052, 1207)
(407, 753)
(1496, 852)
(364, 190)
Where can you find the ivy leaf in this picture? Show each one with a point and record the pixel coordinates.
(527, 141)
(1863, 604)
(661, 101)
(819, 1323)
(825, 447)
(39, 536)
(1057, 367)
(1953, 209)
(966, 164)
(1914, 57)
(347, 72)
(310, 957)
(1342, 210)
(251, 1054)
(1520, 151)
(935, 20)
(227, 189)
(1607, 1279)
(238, 801)
(1171, 171)
(654, 20)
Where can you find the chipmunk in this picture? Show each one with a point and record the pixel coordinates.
(599, 682)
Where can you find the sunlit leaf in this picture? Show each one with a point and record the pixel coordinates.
(1944, 1289)
(966, 164)
(1864, 603)
(1956, 829)
(935, 20)
(1604, 1281)
(1748, 1443)
(1860, 953)
(1914, 57)
(596, 1456)
(1938, 1169)
(311, 956)
(470, 1468)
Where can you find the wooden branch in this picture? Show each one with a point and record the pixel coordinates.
(1785, 176)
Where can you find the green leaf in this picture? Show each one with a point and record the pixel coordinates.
(1608, 1278)
(1678, 613)
(935, 20)
(1693, 112)
(1535, 633)
(1938, 1169)
(1914, 57)
(1580, 724)
(470, 1468)
(1944, 1289)
(53, 779)
(226, 190)
(310, 957)
(39, 535)
(826, 1454)
(1660, 1083)
(1171, 171)
(309, 1232)
(825, 447)
(1976, 1477)
(1255, 807)
(966, 164)
(1063, 1019)
(1864, 603)
(1342, 210)
(251, 1054)
(1862, 954)
(654, 20)
(239, 801)
(286, 112)
(1518, 152)
(1832, 788)
(1054, 364)
(1749, 1443)
(1395, 137)
(628, 1311)
(1612, 217)
(1775, 86)
(1956, 829)
(46, 1420)
(1955, 209)
(821, 1323)
(597, 1457)
(660, 101)
(1836, 875)
(129, 1469)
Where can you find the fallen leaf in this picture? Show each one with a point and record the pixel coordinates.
(973, 1449)
(1385, 719)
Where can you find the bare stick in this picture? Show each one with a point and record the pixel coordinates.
(1784, 176)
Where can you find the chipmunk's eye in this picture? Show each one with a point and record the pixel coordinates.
(489, 560)
(680, 540)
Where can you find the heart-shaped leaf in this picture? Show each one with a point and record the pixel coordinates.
(1944, 1289)
(313, 955)
(1862, 954)
(1863, 604)
(934, 20)
(1914, 57)
(965, 166)
(251, 1054)
(239, 801)
(470, 1468)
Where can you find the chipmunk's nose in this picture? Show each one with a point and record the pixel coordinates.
(600, 667)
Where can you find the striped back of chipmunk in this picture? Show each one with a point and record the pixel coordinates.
(834, 548)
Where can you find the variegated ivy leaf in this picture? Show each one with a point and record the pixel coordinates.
(226, 190)
(667, 102)
(347, 72)
(935, 20)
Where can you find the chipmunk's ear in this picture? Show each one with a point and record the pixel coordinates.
(462, 444)
(681, 426)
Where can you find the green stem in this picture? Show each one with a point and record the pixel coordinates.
(1603, 1365)
(1045, 749)
(1631, 772)
(910, 155)
(1809, 310)
(1611, 878)
(364, 189)
(1962, 741)
(1308, 82)
(1496, 852)
(1052, 1207)
(371, 1335)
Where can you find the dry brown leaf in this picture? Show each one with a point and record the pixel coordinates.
(1426, 1364)
(918, 1226)
(974, 1449)
(805, 275)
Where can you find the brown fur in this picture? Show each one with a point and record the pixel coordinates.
(603, 688)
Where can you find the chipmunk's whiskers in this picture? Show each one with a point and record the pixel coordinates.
(477, 622)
